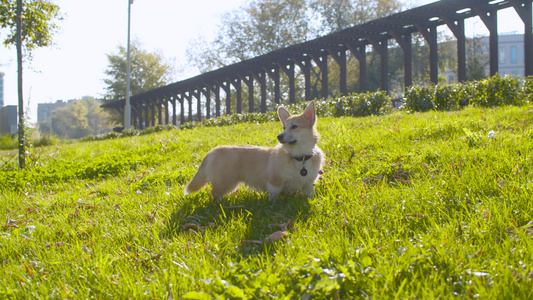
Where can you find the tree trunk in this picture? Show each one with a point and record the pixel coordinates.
(21, 133)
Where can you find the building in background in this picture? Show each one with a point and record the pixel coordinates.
(44, 110)
(8, 120)
(1, 89)
(511, 58)
(8, 114)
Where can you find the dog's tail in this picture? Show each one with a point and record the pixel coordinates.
(199, 180)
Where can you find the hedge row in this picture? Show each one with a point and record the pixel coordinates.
(494, 91)
(353, 105)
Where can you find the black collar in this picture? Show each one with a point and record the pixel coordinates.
(303, 158)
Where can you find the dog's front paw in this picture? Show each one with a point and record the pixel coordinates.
(273, 191)
(309, 191)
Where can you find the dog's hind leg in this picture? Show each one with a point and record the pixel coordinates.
(220, 188)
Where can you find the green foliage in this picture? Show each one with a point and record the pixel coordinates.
(362, 105)
(477, 58)
(30, 24)
(498, 91)
(149, 70)
(355, 105)
(226, 120)
(341, 14)
(8, 141)
(77, 119)
(129, 133)
(45, 140)
(445, 97)
(419, 98)
(495, 91)
(262, 26)
(528, 89)
(38, 22)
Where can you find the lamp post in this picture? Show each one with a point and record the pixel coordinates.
(127, 107)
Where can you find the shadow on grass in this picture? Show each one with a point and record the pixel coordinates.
(254, 211)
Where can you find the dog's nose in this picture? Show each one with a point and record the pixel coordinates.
(280, 137)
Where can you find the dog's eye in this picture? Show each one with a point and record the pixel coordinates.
(294, 126)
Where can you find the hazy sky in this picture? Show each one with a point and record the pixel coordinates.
(75, 66)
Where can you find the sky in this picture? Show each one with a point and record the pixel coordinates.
(74, 67)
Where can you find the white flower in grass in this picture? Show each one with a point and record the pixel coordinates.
(492, 135)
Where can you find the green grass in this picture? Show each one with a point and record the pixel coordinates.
(424, 205)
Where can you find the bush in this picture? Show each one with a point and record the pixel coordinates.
(419, 98)
(361, 105)
(464, 93)
(445, 97)
(256, 118)
(497, 91)
(527, 88)
(8, 142)
(46, 140)
(494, 91)
(353, 105)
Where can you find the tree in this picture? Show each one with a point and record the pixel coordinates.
(148, 71)
(39, 23)
(77, 119)
(30, 25)
(477, 58)
(340, 14)
(259, 27)
(262, 26)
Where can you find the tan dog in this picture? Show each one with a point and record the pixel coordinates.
(291, 166)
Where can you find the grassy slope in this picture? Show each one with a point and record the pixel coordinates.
(422, 205)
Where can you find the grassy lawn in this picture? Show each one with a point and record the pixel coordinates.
(424, 205)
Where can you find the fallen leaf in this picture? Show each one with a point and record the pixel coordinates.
(275, 237)
(75, 214)
(346, 222)
(248, 242)
(285, 226)
(151, 215)
(189, 226)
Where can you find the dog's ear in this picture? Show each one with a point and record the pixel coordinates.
(283, 114)
(309, 113)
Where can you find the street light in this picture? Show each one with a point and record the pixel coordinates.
(127, 107)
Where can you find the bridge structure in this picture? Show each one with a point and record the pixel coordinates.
(260, 70)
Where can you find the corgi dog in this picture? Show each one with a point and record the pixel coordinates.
(292, 166)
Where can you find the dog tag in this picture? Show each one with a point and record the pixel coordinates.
(303, 172)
